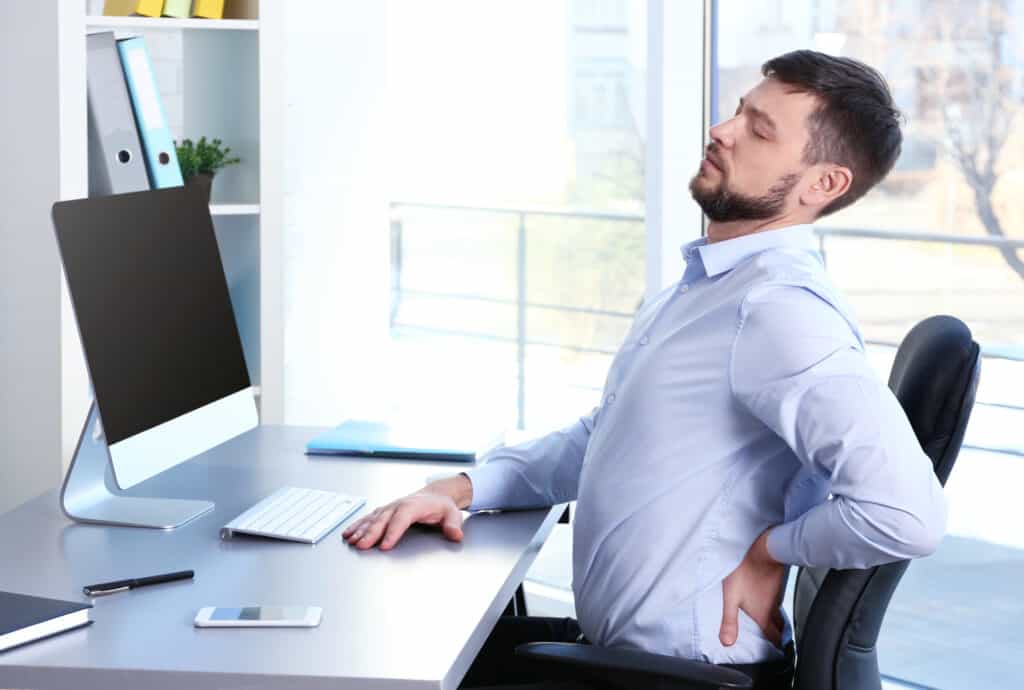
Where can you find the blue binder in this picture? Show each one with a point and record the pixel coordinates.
(157, 142)
(378, 439)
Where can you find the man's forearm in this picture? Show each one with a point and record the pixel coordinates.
(533, 474)
(459, 488)
(842, 533)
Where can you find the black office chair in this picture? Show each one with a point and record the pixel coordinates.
(837, 614)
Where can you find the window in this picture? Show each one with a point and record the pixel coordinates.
(517, 204)
(942, 234)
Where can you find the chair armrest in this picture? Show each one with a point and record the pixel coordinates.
(681, 673)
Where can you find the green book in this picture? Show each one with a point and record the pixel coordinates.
(178, 8)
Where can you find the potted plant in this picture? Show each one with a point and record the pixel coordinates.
(200, 161)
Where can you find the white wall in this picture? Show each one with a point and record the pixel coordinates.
(30, 355)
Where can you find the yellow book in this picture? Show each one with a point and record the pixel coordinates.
(125, 8)
(208, 9)
(182, 9)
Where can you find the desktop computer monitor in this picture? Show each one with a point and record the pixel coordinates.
(161, 344)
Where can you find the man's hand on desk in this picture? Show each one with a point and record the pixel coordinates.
(439, 502)
(756, 586)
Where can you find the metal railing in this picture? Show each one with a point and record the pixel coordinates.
(522, 304)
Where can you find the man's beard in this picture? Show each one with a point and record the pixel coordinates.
(721, 206)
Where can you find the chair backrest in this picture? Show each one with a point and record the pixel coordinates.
(837, 614)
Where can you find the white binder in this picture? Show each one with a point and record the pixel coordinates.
(116, 163)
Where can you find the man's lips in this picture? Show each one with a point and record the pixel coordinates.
(710, 160)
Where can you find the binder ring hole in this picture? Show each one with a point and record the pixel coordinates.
(164, 158)
(124, 155)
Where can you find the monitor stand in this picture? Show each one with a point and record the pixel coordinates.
(90, 492)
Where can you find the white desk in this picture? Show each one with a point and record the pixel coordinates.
(414, 617)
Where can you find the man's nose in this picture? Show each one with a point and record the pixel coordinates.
(722, 133)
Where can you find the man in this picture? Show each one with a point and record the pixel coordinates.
(741, 429)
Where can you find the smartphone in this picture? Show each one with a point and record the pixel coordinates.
(258, 617)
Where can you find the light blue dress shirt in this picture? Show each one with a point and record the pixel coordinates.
(741, 399)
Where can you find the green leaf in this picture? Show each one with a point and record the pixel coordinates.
(203, 156)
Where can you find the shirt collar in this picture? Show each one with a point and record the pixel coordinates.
(719, 257)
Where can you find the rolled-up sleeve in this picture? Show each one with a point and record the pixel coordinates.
(534, 474)
(799, 367)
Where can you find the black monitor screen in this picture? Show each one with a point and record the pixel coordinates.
(152, 304)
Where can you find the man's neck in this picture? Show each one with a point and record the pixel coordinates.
(719, 232)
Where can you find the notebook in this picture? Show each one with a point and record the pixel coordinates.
(24, 619)
(379, 439)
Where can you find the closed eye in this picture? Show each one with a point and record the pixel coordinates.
(757, 119)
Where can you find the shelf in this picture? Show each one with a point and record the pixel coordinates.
(142, 23)
(234, 209)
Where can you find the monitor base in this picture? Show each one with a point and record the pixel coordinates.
(90, 493)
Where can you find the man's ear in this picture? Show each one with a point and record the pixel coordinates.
(830, 183)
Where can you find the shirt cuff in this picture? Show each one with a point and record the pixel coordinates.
(487, 481)
(781, 544)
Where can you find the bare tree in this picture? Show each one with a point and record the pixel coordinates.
(976, 90)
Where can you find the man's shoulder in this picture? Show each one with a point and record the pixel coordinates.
(784, 265)
(791, 289)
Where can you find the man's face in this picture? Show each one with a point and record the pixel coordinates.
(755, 158)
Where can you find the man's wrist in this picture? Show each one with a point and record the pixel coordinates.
(761, 549)
(458, 488)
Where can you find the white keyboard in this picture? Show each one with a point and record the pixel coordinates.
(305, 515)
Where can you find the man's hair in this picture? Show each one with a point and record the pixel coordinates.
(856, 125)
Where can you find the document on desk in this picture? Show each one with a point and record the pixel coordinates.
(365, 438)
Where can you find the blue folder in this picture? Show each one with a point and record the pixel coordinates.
(379, 439)
(157, 143)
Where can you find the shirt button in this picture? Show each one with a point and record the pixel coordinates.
(684, 287)
(644, 340)
(611, 399)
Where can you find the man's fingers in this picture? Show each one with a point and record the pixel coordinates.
(355, 526)
(730, 618)
(361, 522)
(452, 524)
(399, 523)
(368, 535)
(778, 623)
(775, 635)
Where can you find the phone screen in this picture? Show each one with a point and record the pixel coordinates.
(259, 613)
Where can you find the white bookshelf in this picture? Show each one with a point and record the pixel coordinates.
(234, 209)
(170, 23)
(219, 78)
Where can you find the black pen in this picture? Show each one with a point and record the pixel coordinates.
(124, 585)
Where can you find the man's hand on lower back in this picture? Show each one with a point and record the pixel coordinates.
(439, 503)
(756, 586)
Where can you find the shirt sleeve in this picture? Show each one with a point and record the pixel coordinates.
(799, 367)
(538, 473)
